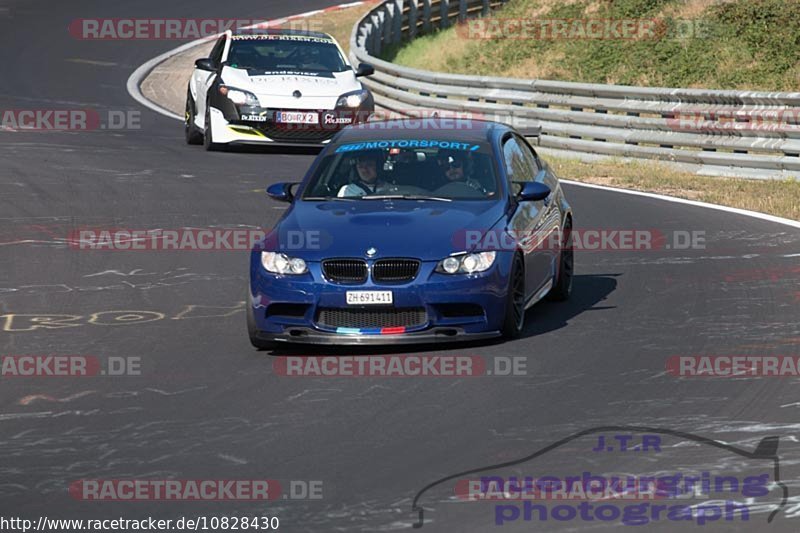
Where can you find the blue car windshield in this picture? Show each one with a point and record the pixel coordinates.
(406, 169)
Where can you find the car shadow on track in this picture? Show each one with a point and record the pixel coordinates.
(587, 291)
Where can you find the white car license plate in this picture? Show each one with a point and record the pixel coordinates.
(369, 297)
(294, 117)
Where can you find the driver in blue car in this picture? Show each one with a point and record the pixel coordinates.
(367, 181)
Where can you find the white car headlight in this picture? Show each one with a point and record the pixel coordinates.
(238, 96)
(353, 99)
(467, 263)
(278, 263)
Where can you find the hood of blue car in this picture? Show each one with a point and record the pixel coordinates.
(426, 230)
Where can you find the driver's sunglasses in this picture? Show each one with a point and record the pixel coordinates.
(455, 163)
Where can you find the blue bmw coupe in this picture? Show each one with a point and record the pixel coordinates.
(412, 235)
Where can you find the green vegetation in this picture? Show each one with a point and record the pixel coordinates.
(726, 44)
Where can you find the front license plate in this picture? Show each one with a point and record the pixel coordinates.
(293, 117)
(369, 297)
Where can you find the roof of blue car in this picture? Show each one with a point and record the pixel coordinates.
(455, 128)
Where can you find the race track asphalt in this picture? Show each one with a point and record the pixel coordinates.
(208, 406)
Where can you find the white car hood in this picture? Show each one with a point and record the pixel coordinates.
(283, 84)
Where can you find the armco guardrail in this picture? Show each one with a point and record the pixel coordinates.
(743, 129)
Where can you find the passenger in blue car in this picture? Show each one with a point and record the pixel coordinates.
(457, 168)
(367, 181)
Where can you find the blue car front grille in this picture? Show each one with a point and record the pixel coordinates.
(345, 270)
(339, 317)
(395, 270)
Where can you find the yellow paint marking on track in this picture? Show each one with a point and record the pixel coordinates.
(27, 400)
(18, 322)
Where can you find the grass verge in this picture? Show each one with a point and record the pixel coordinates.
(722, 44)
(775, 197)
(339, 24)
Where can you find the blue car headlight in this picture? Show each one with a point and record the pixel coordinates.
(353, 99)
(278, 263)
(466, 263)
(238, 96)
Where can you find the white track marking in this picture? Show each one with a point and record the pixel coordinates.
(736, 210)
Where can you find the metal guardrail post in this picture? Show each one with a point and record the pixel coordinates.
(397, 31)
(412, 19)
(426, 16)
(387, 23)
(444, 13)
(375, 36)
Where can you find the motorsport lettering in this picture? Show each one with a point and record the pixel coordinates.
(407, 143)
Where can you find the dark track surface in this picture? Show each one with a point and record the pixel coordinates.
(209, 406)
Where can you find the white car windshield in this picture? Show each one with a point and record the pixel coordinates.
(284, 55)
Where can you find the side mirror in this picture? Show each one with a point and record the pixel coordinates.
(205, 63)
(281, 192)
(365, 69)
(533, 191)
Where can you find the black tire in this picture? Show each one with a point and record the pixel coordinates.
(208, 136)
(562, 288)
(515, 300)
(252, 330)
(192, 132)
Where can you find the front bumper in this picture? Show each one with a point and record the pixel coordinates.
(454, 308)
(435, 335)
(233, 124)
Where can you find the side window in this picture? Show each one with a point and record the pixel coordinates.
(530, 157)
(216, 52)
(518, 166)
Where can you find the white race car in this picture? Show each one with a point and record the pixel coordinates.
(281, 87)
